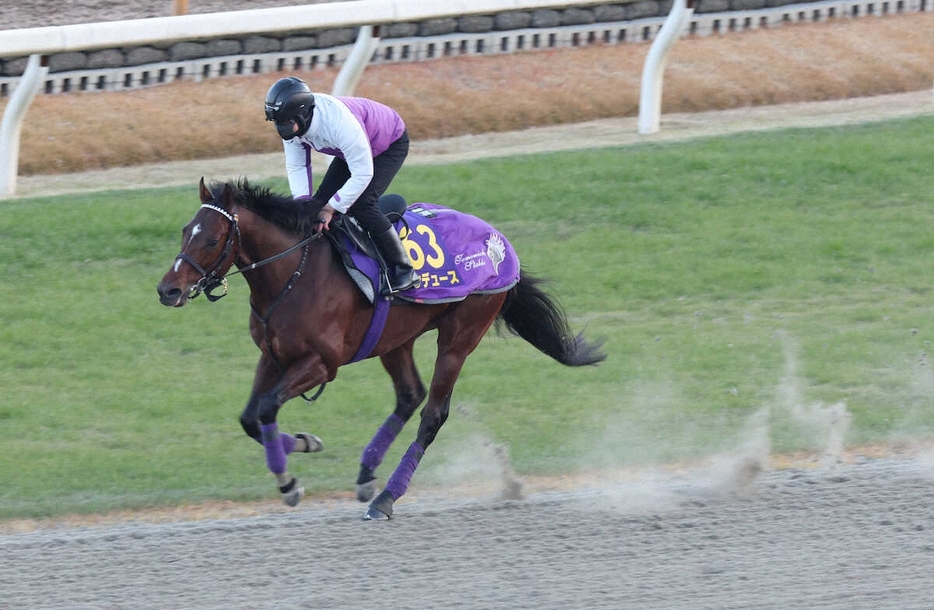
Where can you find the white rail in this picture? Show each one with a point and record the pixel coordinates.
(650, 92)
(114, 34)
(37, 42)
(11, 126)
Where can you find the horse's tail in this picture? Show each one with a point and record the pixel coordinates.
(536, 317)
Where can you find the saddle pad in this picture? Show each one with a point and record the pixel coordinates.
(454, 253)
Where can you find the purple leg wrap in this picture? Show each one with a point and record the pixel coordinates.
(398, 483)
(288, 442)
(374, 452)
(275, 452)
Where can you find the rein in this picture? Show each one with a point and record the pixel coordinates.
(276, 257)
(210, 281)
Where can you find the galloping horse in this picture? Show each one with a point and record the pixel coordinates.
(310, 316)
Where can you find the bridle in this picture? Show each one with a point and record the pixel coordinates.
(213, 277)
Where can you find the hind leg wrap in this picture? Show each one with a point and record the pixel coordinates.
(375, 451)
(398, 483)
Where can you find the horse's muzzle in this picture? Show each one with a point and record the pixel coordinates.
(172, 296)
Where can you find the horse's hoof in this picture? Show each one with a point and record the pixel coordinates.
(293, 497)
(381, 508)
(374, 514)
(366, 491)
(313, 444)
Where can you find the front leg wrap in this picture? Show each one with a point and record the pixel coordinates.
(276, 458)
(277, 461)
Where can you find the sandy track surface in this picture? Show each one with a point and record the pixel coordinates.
(859, 536)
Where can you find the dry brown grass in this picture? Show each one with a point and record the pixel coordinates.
(808, 62)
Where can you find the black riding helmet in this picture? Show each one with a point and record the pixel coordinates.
(290, 101)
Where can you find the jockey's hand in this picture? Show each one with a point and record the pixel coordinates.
(323, 222)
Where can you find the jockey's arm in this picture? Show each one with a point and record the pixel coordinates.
(349, 137)
(298, 167)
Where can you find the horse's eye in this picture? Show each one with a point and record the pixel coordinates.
(212, 243)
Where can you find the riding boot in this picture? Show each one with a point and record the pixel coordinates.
(401, 274)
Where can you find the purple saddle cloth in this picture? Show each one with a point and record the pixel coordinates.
(454, 254)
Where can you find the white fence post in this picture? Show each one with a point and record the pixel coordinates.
(650, 94)
(27, 88)
(356, 62)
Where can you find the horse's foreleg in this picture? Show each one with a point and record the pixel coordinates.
(410, 392)
(301, 442)
(259, 419)
(277, 462)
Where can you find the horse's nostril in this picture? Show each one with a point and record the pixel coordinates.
(170, 296)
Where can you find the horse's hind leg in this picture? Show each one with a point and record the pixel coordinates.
(459, 332)
(410, 392)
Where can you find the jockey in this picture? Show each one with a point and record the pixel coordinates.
(369, 143)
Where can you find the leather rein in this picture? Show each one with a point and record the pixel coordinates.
(213, 278)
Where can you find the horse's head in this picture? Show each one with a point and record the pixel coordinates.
(210, 246)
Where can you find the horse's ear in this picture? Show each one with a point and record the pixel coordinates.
(205, 193)
(227, 197)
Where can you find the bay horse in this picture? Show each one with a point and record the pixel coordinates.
(309, 318)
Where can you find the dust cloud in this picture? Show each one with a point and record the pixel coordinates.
(734, 471)
(470, 460)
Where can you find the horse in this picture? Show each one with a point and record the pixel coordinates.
(309, 317)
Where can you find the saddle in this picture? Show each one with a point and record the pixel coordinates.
(348, 237)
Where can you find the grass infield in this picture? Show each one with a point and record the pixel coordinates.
(782, 277)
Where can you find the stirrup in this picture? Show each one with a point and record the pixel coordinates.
(415, 282)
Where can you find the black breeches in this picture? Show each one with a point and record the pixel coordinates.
(385, 167)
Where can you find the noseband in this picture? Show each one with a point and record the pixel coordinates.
(209, 277)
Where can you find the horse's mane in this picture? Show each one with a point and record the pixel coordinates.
(281, 210)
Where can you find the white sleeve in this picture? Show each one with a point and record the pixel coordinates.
(298, 167)
(349, 137)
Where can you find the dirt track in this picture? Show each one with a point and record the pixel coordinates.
(858, 536)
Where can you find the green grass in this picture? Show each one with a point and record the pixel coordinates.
(789, 270)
